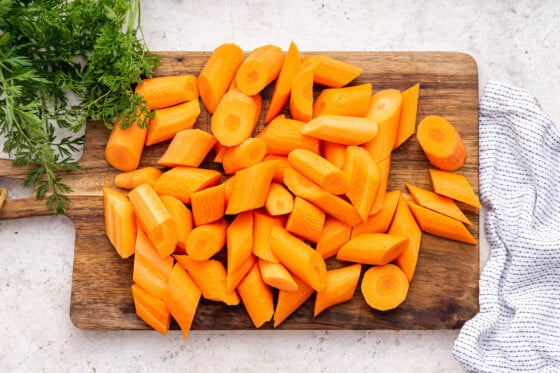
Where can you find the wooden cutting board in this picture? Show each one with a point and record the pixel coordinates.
(444, 291)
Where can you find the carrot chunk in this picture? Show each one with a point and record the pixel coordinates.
(384, 171)
(206, 240)
(262, 226)
(441, 142)
(239, 240)
(380, 221)
(373, 248)
(250, 152)
(301, 96)
(166, 91)
(436, 202)
(441, 225)
(256, 297)
(319, 170)
(341, 284)
(124, 147)
(151, 310)
(250, 187)
(341, 129)
(351, 100)
(168, 121)
(182, 298)
(407, 119)
(289, 301)
(305, 220)
(455, 186)
(335, 234)
(181, 182)
(120, 221)
(334, 153)
(182, 217)
(279, 200)
(384, 287)
(276, 276)
(188, 148)
(234, 277)
(259, 69)
(283, 135)
(332, 72)
(208, 204)
(131, 179)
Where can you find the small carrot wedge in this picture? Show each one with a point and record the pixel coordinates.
(124, 147)
(256, 297)
(335, 234)
(283, 86)
(384, 287)
(404, 224)
(154, 218)
(168, 121)
(120, 221)
(228, 186)
(165, 91)
(151, 310)
(277, 276)
(341, 284)
(218, 73)
(384, 171)
(301, 96)
(281, 164)
(250, 187)
(208, 204)
(188, 148)
(385, 110)
(206, 240)
(182, 217)
(234, 119)
(341, 129)
(407, 119)
(262, 226)
(283, 135)
(441, 143)
(306, 220)
(181, 182)
(351, 100)
(332, 72)
(259, 69)
(219, 151)
(250, 152)
(334, 153)
(380, 221)
(319, 170)
(441, 225)
(210, 277)
(131, 179)
(299, 258)
(279, 200)
(289, 301)
(182, 298)
(454, 186)
(233, 278)
(373, 248)
(239, 240)
(363, 178)
(436, 202)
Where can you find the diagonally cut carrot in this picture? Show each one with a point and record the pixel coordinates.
(363, 178)
(256, 297)
(166, 91)
(305, 220)
(168, 121)
(332, 72)
(279, 200)
(206, 240)
(250, 152)
(455, 186)
(384, 171)
(335, 234)
(182, 217)
(181, 182)
(250, 187)
(276, 276)
(407, 119)
(373, 248)
(319, 170)
(233, 278)
(208, 204)
(341, 129)
(301, 96)
(151, 310)
(131, 179)
(436, 202)
(120, 221)
(188, 148)
(334, 152)
(289, 301)
(182, 298)
(380, 221)
(350, 100)
(441, 142)
(239, 240)
(262, 226)
(341, 284)
(282, 135)
(259, 69)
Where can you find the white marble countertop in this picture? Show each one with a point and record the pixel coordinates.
(513, 41)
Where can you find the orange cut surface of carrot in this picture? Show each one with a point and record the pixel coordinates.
(283, 135)
(433, 201)
(165, 91)
(407, 119)
(319, 170)
(380, 221)
(168, 121)
(384, 171)
(350, 100)
(384, 287)
(301, 96)
(454, 186)
(289, 301)
(373, 248)
(306, 220)
(259, 69)
(341, 129)
(332, 72)
(181, 182)
(151, 310)
(279, 200)
(208, 204)
(250, 187)
(182, 298)
(131, 179)
(188, 148)
(341, 284)
(234, 277)
(206, 240)
(334, 153)
(276, 276)
(124, 147)
(335, 234)
(441, 142)
(239, 235)
(120, 222)
(256, 297)
(182, 217)
(250, 152)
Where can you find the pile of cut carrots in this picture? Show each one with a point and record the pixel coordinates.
(311, 185)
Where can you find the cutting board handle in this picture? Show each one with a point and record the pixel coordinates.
(23, 208)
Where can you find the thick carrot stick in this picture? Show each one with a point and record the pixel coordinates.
(124, 147)
(181, 182)
(441, 142)
(276, 276)
(341, 284)
(384, 171)
(233, 278)
(182, 298)
(341, 129)
(279, 200)
(168, 121)
(436, 202)
(206, 240)
(301, 96)
(335, 234)
(131, 179)
(334, 152)
(363, 179)
(283, 135)
(218, 73)
(256, 297)
(384, 287)
(306, 220)
(332, 72)
(165, 91)
(319, 170)
(208, 204)
(380, 221)
(407, 119)
(289, 301)
(120, 221)
(259, 69)
(454, 186)
(262, 226)
(151, 310)
(373, 248)
(250, 187)
(188, 148)
(351, 100)
(239, 240)
(182, 217)
(299, 258)
(234, 119)
(250, 152)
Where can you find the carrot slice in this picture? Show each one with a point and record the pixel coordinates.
(256, 297)
(380, 221)
(301, 96)
(166, 91)
(441, 143)
(334, 153)
(341, 129)
(276, 276)
(373, 248)
(305, 220)
(455, 186)
(250, 187)
(351, 100)
(407, 119)
(289, 301)
(283, 135)
(239, 240)
(124, 147)
(250, 152)
(120, 222)
(281, 164)
(150, 270)
(335, 234)
(319, 170)
(208, 204)
(233, 278)
(181, 182)
(182, 217)
(436, 202)
(182, 298)
(131, 179)
(332, 72)
(363, 178)
(151, 310)
(206, 240)
(188, 148)
(384, 287)
(262, 226)
(168, 121)
(279, 200)
(341, 284)
(259, 69)
(384, 170)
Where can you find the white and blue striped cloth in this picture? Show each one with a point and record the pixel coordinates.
(518, 326)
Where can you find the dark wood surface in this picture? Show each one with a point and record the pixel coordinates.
(444, 291)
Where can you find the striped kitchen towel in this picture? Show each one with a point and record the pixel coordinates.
(518, 326)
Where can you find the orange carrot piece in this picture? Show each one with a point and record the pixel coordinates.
(335, 234)
(404, 224)
(363, 178)
(151, 310)
(319, 170)
(301, 96)
(279, 200)
(233, 278)
(341, 129)
(259, 69)
(289, 301)
(218, 73)
(384, 171)
(276, 276)
(334, 153)
(333, 72)
(407, 119)
(124, 147)
(208, 204)
(454, 186)
(131, 179)
(384, 287)
(250, 152)
(154, 218)
(380, 221)
(283, 87)
(210, 277)
(182, 298)
(441, 143)
(262, 226)
(305, 220)
(168, 121)
(256, 297)
(441, 225)
(120, 222)
(239, 240)
(228, 186)
(442, 204)
(181, 182)
(182, 217)
(234, 119)
(250, 187)
(341, 284)
(206, 240)
(299, 258)
(373, 248)
(219, 151)
(385, 110)
(166, 91)
(351, 100)
(188, 148)
(281, 164)
(283, 135)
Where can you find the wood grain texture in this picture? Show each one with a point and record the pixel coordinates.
(444, 291)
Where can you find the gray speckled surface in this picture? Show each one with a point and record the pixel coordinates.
(516, 42)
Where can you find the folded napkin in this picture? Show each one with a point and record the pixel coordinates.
(518, 326)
